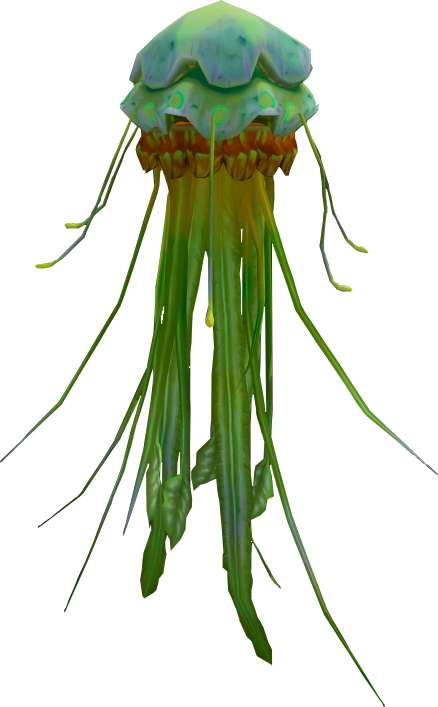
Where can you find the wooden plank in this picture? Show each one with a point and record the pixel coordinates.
(329, 13)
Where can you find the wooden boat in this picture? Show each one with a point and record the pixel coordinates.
(371, 47)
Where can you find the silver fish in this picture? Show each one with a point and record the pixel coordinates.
(345, 115)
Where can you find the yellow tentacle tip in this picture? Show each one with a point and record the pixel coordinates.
(209, 319)
(71, 225)
(341, 288)
(361, 249)
(43, 266)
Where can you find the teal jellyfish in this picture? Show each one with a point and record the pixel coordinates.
(217, 97)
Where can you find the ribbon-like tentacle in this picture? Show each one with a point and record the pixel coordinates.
(179, 229)
(287, 274)
(261, 416)
(231, 413)
(108, 321)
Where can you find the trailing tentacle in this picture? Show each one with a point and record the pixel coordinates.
(279, 250)
(231, 415)
(179, 229)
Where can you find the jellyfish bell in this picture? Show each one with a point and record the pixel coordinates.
(194, 100)
(227, 43)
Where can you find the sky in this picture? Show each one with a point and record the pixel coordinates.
(61, 25)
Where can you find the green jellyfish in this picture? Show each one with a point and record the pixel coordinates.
(24, 106)
(217, 97)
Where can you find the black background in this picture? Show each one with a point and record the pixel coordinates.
(369, 527)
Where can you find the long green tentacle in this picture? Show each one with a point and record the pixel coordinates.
(155, 552)
(88, 221)
(209, 318)
(76, 226)
(108, 321)
(279, 250)
(144, 387)
(176, 491)
(170, 423)
(264, 426)
(179, 229)
(136, 397)
(231, 414)
(262, 486)
(245, 193)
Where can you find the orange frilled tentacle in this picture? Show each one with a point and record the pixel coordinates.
(184, 148)
(147, 149)
(290, 148)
